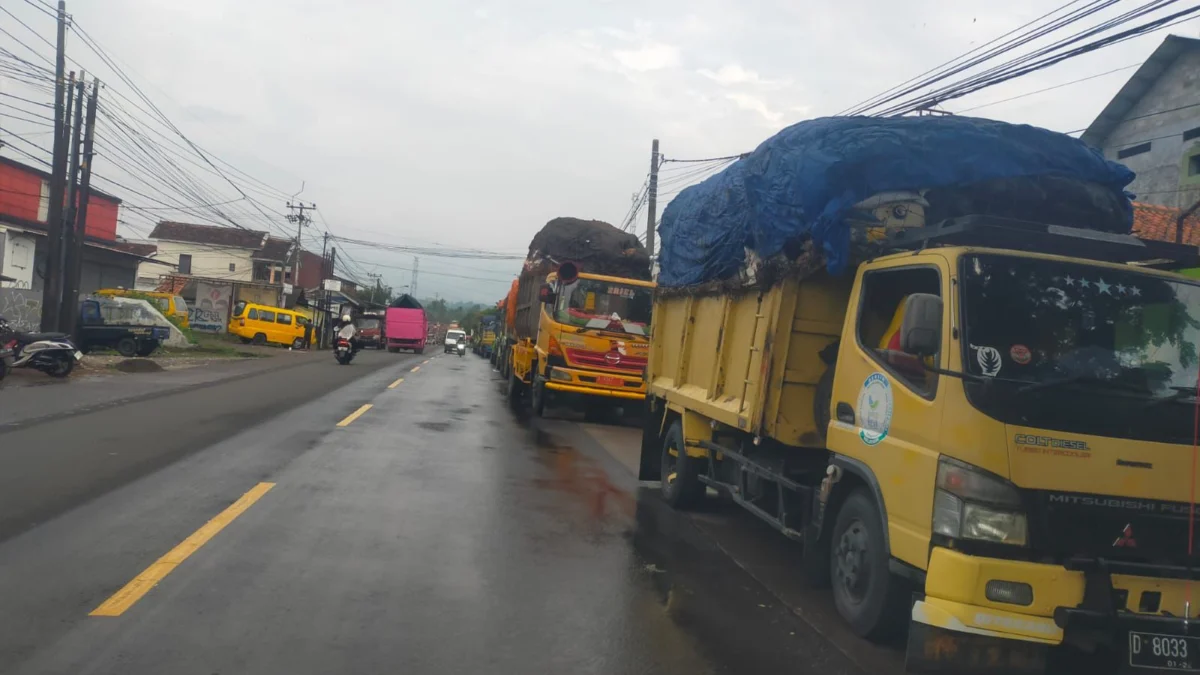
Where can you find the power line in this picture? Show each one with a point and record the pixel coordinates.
(1042, 91)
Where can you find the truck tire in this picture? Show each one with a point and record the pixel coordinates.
(393, 350)
(298, 343)
(127, 347)
(259, 339)
(147, 348)
(537, 398)
(681, 486)
(867, 595)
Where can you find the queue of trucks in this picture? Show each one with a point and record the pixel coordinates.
(930, 350)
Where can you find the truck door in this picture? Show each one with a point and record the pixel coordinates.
(886, 408)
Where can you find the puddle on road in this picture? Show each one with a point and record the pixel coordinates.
(434, 426)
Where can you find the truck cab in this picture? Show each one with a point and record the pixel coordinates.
(592, 340)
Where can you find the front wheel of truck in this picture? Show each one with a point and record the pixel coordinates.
(681, 486)
(867, 595)
(537, 398)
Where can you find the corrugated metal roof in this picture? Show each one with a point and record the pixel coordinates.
(1137, 86)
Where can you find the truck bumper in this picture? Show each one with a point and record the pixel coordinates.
(596, 383)
(956, 627)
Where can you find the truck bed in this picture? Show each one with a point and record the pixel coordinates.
(763, 371)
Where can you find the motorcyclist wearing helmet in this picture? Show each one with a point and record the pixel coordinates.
(348, 331)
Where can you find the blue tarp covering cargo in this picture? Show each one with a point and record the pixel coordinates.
(800, 184)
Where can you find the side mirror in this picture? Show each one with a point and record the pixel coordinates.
(547, 295)
(921, 330)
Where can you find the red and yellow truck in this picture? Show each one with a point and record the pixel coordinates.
(581, 324)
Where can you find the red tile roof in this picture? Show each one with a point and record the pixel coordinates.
(1151, 221)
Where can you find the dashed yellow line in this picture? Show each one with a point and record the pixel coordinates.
(355, 415)
(395, 384)
(416, 368)
(133, 591)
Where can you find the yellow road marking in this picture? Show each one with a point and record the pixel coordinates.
(354, 415)
(416, 368)
(395, 384)
(133, 591)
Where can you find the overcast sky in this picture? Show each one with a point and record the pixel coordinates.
(470, 124)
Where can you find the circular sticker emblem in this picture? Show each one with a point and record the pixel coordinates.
(874, 409)
(1020, 354)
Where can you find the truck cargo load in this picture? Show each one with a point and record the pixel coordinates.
(800, 188)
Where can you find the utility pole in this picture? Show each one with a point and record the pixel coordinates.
(52, 291)
(652, 198)
(74, 264)
(412, 287)
(297, 216)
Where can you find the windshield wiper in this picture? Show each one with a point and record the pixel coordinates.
(1089, 379)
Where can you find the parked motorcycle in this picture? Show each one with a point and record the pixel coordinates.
(461, 348)
(51, 353)
(343, 352)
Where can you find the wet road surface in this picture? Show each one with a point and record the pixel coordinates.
(413, 526)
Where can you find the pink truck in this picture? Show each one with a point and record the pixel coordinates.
(406, 325)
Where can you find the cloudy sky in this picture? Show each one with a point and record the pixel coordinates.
(470, 124)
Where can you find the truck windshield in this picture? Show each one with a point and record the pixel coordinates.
(368, 324)
(591, 303)
(1081, 348)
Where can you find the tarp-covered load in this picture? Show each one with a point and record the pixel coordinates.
(406, 301)
(594, 245)
(801, 187)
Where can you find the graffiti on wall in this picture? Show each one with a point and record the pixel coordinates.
(22, 307)
(210, 312)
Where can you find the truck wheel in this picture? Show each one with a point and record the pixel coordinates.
(866, 594)
(538, 396)
(681, 486)
(127, 347)
(147, 348)
(259, 339)
(298, 343)
(393, 350)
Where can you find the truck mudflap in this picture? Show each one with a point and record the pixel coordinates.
(939, 651)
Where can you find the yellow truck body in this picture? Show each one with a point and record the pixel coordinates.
(791, 400)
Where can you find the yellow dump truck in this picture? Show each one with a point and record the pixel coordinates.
(582, 323)
(982, 430)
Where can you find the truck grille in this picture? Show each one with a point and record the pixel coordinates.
(608, 361)
(1069, 524)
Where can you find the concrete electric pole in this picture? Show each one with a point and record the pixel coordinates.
(297, 216)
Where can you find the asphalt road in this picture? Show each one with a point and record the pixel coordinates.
(82, 439)
(369, 524)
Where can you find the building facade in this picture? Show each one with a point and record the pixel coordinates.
(1152, 125)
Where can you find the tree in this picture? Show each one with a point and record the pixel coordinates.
(376, 295)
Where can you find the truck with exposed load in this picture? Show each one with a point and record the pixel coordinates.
(929, 349)
(405, 325)
(582, 320)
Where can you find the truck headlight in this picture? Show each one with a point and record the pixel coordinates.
(970, 503)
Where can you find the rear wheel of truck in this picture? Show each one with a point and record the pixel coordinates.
(867, 595)
(127, 347)
(681, 486)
